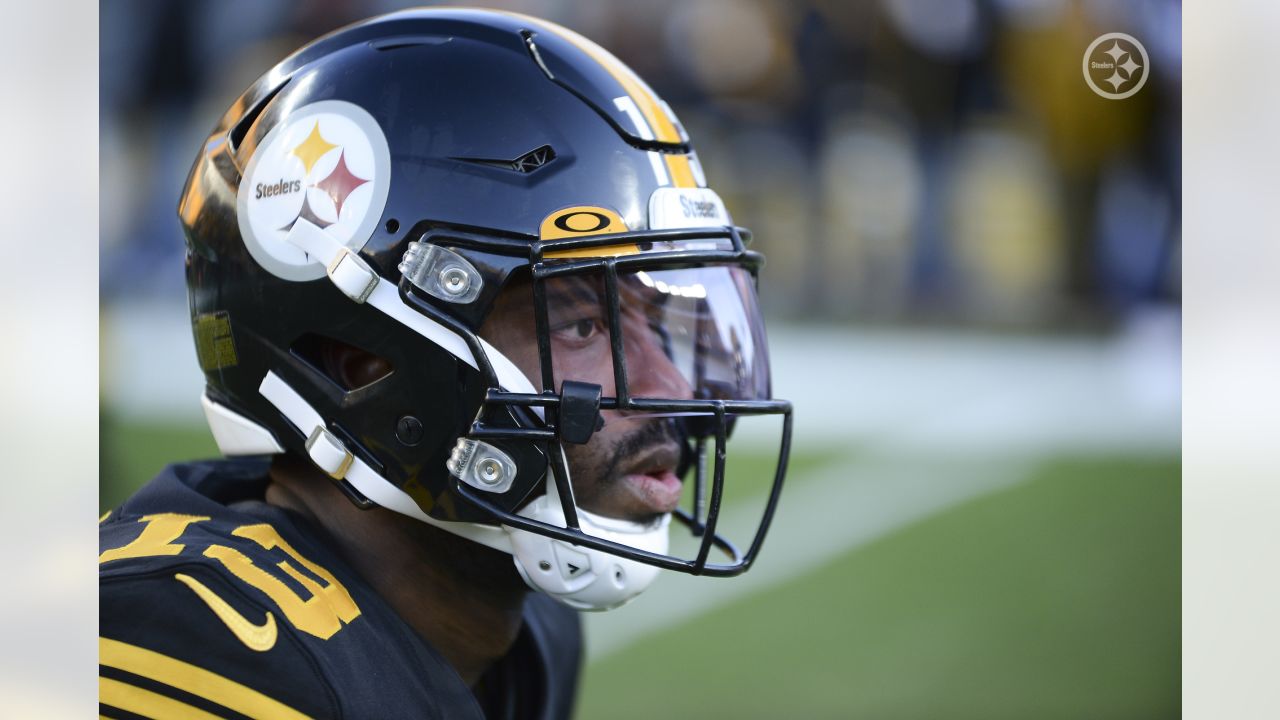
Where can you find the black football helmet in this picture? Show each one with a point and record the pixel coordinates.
(512, 220)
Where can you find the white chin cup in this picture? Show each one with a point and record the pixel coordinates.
(578, 576)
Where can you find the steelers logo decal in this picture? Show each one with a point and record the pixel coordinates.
(329, 164)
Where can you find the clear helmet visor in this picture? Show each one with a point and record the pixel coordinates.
(677, 334)
(687, 333)
(703, 323)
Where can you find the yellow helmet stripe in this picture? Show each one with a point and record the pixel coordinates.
(681, 172)
(594, 252)
(663, 129)
(192, 679)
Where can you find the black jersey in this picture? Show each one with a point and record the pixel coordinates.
(213, 603)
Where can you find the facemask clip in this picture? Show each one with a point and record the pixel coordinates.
(579, 411)
(481, 466)
(441, 273)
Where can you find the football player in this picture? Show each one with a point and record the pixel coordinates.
(475, 331)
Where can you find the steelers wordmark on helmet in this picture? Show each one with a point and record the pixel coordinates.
(326, 163)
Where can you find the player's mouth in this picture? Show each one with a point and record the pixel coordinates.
(650, 483)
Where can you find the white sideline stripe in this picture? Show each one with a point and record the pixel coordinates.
(847, 504)
(919, 392)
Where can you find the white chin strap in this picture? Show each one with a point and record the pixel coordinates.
(584, 578)
(581, 577)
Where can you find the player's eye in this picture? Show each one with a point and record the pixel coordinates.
(578, 331)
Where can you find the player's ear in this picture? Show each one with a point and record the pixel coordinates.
(351, 367)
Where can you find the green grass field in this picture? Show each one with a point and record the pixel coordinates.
(131, 453)
(1055, 598)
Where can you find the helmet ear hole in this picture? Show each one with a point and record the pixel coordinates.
(241, 128)
(347, 366)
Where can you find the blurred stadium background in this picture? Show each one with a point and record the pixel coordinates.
(974, 299)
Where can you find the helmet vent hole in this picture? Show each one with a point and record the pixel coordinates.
(393, 225)
(241, 128)
(525, 164)
(406, 41)
(533, 159)
(533, 52)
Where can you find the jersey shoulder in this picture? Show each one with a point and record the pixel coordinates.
(185, 642)
(241, 611)
(200, 615)
(213, 602)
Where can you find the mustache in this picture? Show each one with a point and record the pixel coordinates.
(660, 432)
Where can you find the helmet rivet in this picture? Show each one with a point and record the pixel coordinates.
(409, 430)
(454, 280)
(544, 565)
(489, 471)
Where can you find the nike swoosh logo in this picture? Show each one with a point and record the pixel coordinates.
(257, 637)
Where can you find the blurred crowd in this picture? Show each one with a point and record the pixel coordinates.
(900, 161)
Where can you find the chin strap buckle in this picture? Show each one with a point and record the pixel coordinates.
(352, 275)
(328, 453)
(348, 271)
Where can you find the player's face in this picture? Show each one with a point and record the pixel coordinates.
(628, 468)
